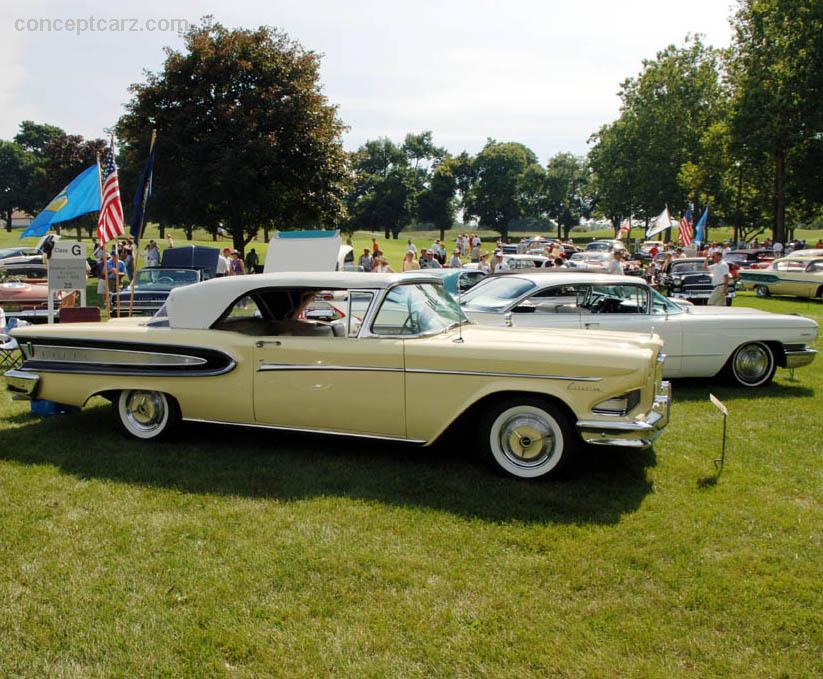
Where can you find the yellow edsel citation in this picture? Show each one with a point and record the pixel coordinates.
(402, 363)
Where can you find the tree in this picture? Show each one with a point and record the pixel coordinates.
(18, 174)
(496, 197)
(776, 72)
(245, 136)
(567, 183)
(437, 203)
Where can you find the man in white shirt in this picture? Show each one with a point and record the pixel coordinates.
(777, 248)
(222, 264)
(616, 263)
(719, 271)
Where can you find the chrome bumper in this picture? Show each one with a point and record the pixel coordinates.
(21, 383)
(797, 359)
(638, 433)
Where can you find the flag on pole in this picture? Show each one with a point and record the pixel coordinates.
(141, 196)
(79, 197)
(660, 223)
(625, 227)
(700, 229)
(110, 223)
(686, 231)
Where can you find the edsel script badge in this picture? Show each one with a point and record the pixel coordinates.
(582, 386)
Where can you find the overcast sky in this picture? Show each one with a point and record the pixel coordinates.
(542, 73)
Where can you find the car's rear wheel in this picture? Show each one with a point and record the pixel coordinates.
(147, 415)
(752, 364)
(528, 437)
(761, 291)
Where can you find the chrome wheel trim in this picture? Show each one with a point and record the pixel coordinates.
(526, 441)
(752, 364)
(761, 291)
(144, 414)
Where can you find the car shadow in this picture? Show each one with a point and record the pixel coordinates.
(699, 390)
(261, 463)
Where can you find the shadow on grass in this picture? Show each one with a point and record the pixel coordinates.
(261, 463)
(699, 390)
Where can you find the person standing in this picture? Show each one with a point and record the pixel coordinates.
(252, 261)
(375, 246)
(412, 247)
(381, 265)
(454, 262)
(236, 264)
(616, 263)
(222, 263)
(719, 271)
(152, 255)
(409, 262)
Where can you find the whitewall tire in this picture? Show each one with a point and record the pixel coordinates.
(752, 364)
(146, 415)
(528, 438)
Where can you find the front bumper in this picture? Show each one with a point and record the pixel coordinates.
(22, 384)
(638, 433)
(800, 358)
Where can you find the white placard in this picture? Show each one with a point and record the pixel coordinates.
(719, 404)
(67, 271)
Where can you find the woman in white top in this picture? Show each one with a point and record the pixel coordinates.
(381, 266)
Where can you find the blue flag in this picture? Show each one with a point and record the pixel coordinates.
(80, 197)
(700, 229)
(141, 197)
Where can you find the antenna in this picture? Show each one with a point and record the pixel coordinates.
(459, 339)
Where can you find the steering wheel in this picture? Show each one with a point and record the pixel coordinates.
(596, 306)
(165, 279)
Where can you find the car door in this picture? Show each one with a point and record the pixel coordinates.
(551, 307)
(337, 383)
(633, 307)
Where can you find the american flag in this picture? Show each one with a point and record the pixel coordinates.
(686, 231)
(110, 223)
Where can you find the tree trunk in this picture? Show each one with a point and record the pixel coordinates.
(189, 232)
(8, 220)
(238, 242)
(780, 197)
(266, 233)
(79, 232)
(442, 233)
(162, 231)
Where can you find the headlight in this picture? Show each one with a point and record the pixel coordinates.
(618, 405)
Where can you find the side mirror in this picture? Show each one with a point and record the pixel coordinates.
(507, 319)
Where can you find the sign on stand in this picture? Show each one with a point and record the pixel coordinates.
(67, 271)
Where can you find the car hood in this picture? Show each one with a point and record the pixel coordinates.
(751, 315)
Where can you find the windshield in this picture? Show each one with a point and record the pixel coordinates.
(663, 305)
(416, 309)
(686, 267)
(598, 246)
(164, 279)
(496, 294)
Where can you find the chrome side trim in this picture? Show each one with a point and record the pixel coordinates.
(306, 430)
(104, 356)
(493, 373)
(424, 371)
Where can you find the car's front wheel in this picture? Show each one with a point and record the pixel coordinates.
(752, 364)
(147, 415)
(761, 291)
(528, 437)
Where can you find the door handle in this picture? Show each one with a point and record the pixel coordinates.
(592, 325)
(261, 343)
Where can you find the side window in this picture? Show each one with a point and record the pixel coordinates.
(557, 299)
(394, 317)
(815, 267)
(617, 299)
(359, 303)
(245, 307)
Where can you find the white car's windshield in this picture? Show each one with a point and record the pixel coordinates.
(496, 294)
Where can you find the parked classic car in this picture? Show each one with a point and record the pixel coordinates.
(752, 258)
(24, 254)
(402, 366)
(687, 278)
(746, 344)
(20, 298)
(794, 276)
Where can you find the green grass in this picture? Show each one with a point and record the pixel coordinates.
(239, 552)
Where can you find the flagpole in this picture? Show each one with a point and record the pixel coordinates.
(137, 240)
(103, 243)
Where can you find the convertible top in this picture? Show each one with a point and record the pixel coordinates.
(198, 306)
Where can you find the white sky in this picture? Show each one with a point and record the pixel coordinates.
(542, 73)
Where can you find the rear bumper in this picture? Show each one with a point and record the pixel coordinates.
(638, 433)
(22, 384)
(798, 359)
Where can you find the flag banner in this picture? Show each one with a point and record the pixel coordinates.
(110, 222)
(700, 229)
(625, 227)
(141, 196)
(660, 223)
(686, 232)
(81, 196)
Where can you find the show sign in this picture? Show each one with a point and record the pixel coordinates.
(67, 271)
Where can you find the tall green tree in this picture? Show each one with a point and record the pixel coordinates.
(567, 191)
(497, 196)
(246, 137)
(776, 72)
(437, 203)
(18, 176)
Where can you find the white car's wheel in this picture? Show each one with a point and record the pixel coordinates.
(761, 291)
(147, 415)
(752, 364)
(527, 437)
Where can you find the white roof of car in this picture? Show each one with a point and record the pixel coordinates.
(560, 277)
(198, 306)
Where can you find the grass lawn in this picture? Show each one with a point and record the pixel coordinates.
(241, 552)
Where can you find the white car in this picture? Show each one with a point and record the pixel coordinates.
(589, 261)
(747, 344)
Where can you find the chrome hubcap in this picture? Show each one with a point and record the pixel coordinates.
(752, 363)
(527, 439)
(145, 410)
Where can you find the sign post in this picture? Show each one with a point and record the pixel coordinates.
(725, 412)
(67, 271)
